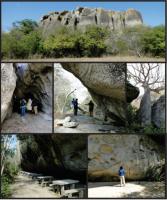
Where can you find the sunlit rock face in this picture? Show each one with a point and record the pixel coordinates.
(54, 154)
(35, 80)
(106, 84)
(65, 83)
(8, 84)
(83, 16)
(106, 153)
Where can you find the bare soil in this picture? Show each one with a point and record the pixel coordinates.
(130, 190)
(25, 187)
(94, 59)
(87, 124)
(30, 123)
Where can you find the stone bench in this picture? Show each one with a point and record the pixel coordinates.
(46, 183)
(69, 193)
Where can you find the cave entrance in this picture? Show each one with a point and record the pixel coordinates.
(27, 95)
(66, 88)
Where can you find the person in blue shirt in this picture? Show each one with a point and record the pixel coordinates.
(121, 174)
(23, 107)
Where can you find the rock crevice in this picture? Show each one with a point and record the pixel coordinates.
(83, 16)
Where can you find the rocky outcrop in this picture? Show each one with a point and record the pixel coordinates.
(106, 84)
(35, 81)
(137, 153)
(8, 84)
(54, 155)
(83, 16)
(158, 112)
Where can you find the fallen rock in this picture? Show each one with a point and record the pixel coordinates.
(70, 124)
(67, 119)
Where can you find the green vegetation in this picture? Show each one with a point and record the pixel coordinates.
(9, 167)
(156, 172)
(25, 40)
(134, 125)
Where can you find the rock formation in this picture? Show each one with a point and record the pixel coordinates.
(158, 112)
(8, 84)
(36, 81)
(106, 153)
(82, 17)
(106, 84)
(29, 80)
(54, 154)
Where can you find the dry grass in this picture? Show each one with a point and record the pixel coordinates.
(85, 59)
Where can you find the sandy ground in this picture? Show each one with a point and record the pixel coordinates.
(85, 59)
(88, 124)
(131, 190)
(30, 123)
(25, 187)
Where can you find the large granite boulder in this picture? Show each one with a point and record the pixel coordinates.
(137, 153)
(35, 80)
(56, 155)
(158, 112)
(8, 84)
(106, 84)
(83, 16)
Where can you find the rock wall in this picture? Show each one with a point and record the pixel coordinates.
(83, 16)
(54, 154)
(158, 112)
(106, 84)
(106, 153)
(8, 84)
(35, 80)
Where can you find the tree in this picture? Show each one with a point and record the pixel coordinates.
(25, 26)
(151, 78)
(6, 151)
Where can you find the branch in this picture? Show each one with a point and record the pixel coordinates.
(158, 89)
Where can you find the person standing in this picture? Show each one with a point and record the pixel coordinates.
(29, 105)
(76, 107)
(91, 108)
(23, 107)
(121, 174)
(35, 106)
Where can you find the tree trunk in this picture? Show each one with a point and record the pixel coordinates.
(145, 108)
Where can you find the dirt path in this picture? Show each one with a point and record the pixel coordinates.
(132, 190)
(94, 59)
(25, 187)
(88, 124)
(30, 123)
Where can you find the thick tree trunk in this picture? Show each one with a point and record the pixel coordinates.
(145, 108)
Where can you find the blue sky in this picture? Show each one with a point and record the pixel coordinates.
(153, 12)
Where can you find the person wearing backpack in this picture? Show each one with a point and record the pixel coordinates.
(121, 174)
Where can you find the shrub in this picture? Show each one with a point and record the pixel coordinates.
(22, 41)
(156, 172)
(153, 41)
(7, 178)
